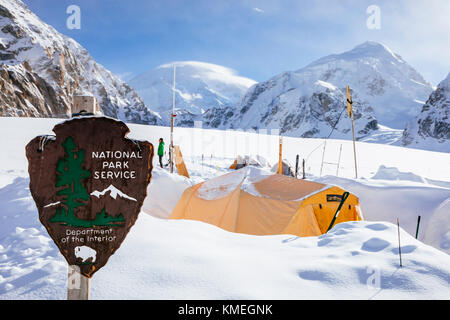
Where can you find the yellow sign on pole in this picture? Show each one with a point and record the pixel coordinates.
(349, 103)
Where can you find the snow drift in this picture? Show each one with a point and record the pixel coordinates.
(177, 259)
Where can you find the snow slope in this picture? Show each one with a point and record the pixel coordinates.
(199, 86)
(165, 259)
(387, 200)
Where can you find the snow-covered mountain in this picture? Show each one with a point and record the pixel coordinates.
(308, 102)
(41, 70)
(303, 109)
(200, 86)
(431, 128)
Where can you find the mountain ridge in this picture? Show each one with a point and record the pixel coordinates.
(43, 69)
(431, 127)
(307, 102)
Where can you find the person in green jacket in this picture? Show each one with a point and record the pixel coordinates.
(161, 151)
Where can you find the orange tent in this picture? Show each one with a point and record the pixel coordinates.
(253, 201)
(179, 162)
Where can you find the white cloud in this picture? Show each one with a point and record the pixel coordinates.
(258, 10)
(126, 76)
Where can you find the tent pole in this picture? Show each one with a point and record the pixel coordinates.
(350, 114)
(339, 161)
(172, 120)
(323, 156)
(354, 147)
(336, 214)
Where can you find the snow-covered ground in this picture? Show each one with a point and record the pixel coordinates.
(176, 259)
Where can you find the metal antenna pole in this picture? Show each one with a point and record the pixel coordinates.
(172, 120)
(354, 148)
(323, 156)
(339, 161)
(350, 113)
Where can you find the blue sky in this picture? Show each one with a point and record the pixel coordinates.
(257, 38)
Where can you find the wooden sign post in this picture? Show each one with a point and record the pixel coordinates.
(89, 182)
(78, 285)
(85, 104)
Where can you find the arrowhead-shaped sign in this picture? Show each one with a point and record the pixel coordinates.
(89, 182)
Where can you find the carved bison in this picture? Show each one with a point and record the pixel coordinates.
(85, 253)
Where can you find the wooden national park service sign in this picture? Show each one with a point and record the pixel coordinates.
(89, 183)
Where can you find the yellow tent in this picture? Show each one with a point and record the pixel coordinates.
(253, 201)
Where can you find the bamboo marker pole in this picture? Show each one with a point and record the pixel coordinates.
(280, 160)
(399, 246)
(303, 169)
(350, 114)
(78, 286)
(296, 165)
